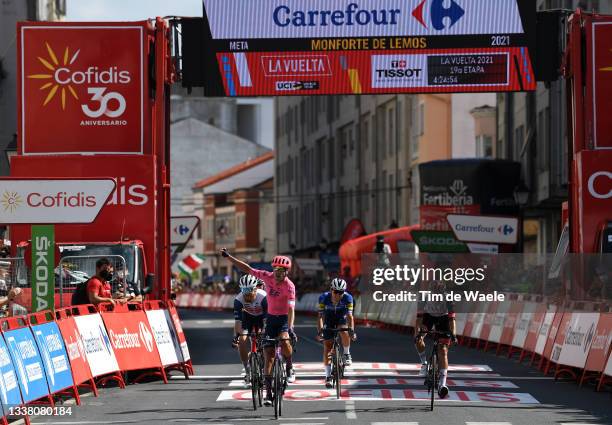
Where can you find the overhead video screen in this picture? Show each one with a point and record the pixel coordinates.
(305, 47)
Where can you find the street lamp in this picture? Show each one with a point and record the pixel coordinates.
(521, 197)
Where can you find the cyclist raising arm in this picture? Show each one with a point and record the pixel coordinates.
(441, 316)
(335, 311)
(250, 307)
(281, 312)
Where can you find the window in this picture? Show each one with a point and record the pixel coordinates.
(381, 130)
(484, 146)
(366, 197)
(240, 225)
(421, 119)
(365, 133)
(320, 163)
(392, 200)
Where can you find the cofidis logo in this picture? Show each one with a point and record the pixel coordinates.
(62, 76)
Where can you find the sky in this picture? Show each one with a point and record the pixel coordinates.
(129, 10)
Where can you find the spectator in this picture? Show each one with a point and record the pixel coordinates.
(97, 289)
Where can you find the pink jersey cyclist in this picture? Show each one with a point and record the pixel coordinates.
(281, 296)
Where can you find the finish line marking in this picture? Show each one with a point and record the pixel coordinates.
(388, 395)
(392, 366)
(393, 381)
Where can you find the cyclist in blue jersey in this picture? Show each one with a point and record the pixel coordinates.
(335, 311)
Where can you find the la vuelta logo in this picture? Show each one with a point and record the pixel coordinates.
(60, 79)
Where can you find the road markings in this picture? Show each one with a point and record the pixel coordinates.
(350, 409)
(369, 366)
(491, 423)
(363, 382)
(395, 423)
(369, 394)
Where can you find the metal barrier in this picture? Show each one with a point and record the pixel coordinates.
(74, 270)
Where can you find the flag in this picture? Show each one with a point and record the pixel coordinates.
(190, 263)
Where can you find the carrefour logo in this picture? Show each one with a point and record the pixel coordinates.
(60, 79)
(353, 14)
(440, 16)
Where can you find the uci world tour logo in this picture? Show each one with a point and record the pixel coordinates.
(11, 201)
(437, 14)
(55, 67)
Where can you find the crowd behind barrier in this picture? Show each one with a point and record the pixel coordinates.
(51, 354)
(571, 342)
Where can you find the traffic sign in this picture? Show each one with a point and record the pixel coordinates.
(479, 228)
(483, 248)
(366, 47)
(429, 241)
(181, 228)
(48, 201)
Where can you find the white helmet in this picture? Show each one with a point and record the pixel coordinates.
(338, 284)
(248, 283)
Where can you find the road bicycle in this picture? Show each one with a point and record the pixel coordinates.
(337, 361)
(279, 375)
(256, 365)
(432, 377)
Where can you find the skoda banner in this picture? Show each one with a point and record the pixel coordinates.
(43, 266)
(9, 388)
(303, 47)
(28, 364)
(53, 353)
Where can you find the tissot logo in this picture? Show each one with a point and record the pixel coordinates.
(438, 13)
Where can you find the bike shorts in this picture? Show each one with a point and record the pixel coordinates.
(438, 323)
(328, 333)
(251, 323)
(275, 325)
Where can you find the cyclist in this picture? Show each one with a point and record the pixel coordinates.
(438, 315)
(335, 310)
(250, 307)
(281, 313)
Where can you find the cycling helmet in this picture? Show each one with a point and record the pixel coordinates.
(248, 283)
(281, 261)
(338, 284)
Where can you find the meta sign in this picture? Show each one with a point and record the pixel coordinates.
(301, 47)
(82, 88)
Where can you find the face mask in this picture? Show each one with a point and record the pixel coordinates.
(106, 275)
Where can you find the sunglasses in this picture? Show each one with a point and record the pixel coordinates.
(280, 269)
(247, 290)
(338, 292)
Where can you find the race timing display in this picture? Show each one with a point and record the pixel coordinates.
(304, 47)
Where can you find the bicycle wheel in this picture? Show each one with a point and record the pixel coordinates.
(338, 371)
(283, 387)
(260, 378)
(254, 372)
(434, 376)
(276, 389)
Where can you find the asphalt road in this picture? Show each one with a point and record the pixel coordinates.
(382, 388)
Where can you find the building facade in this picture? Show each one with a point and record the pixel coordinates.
(345, 157)
(11, 12)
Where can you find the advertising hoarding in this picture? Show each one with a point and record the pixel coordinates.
(601, 81)
(82, 88)
(299, 47)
